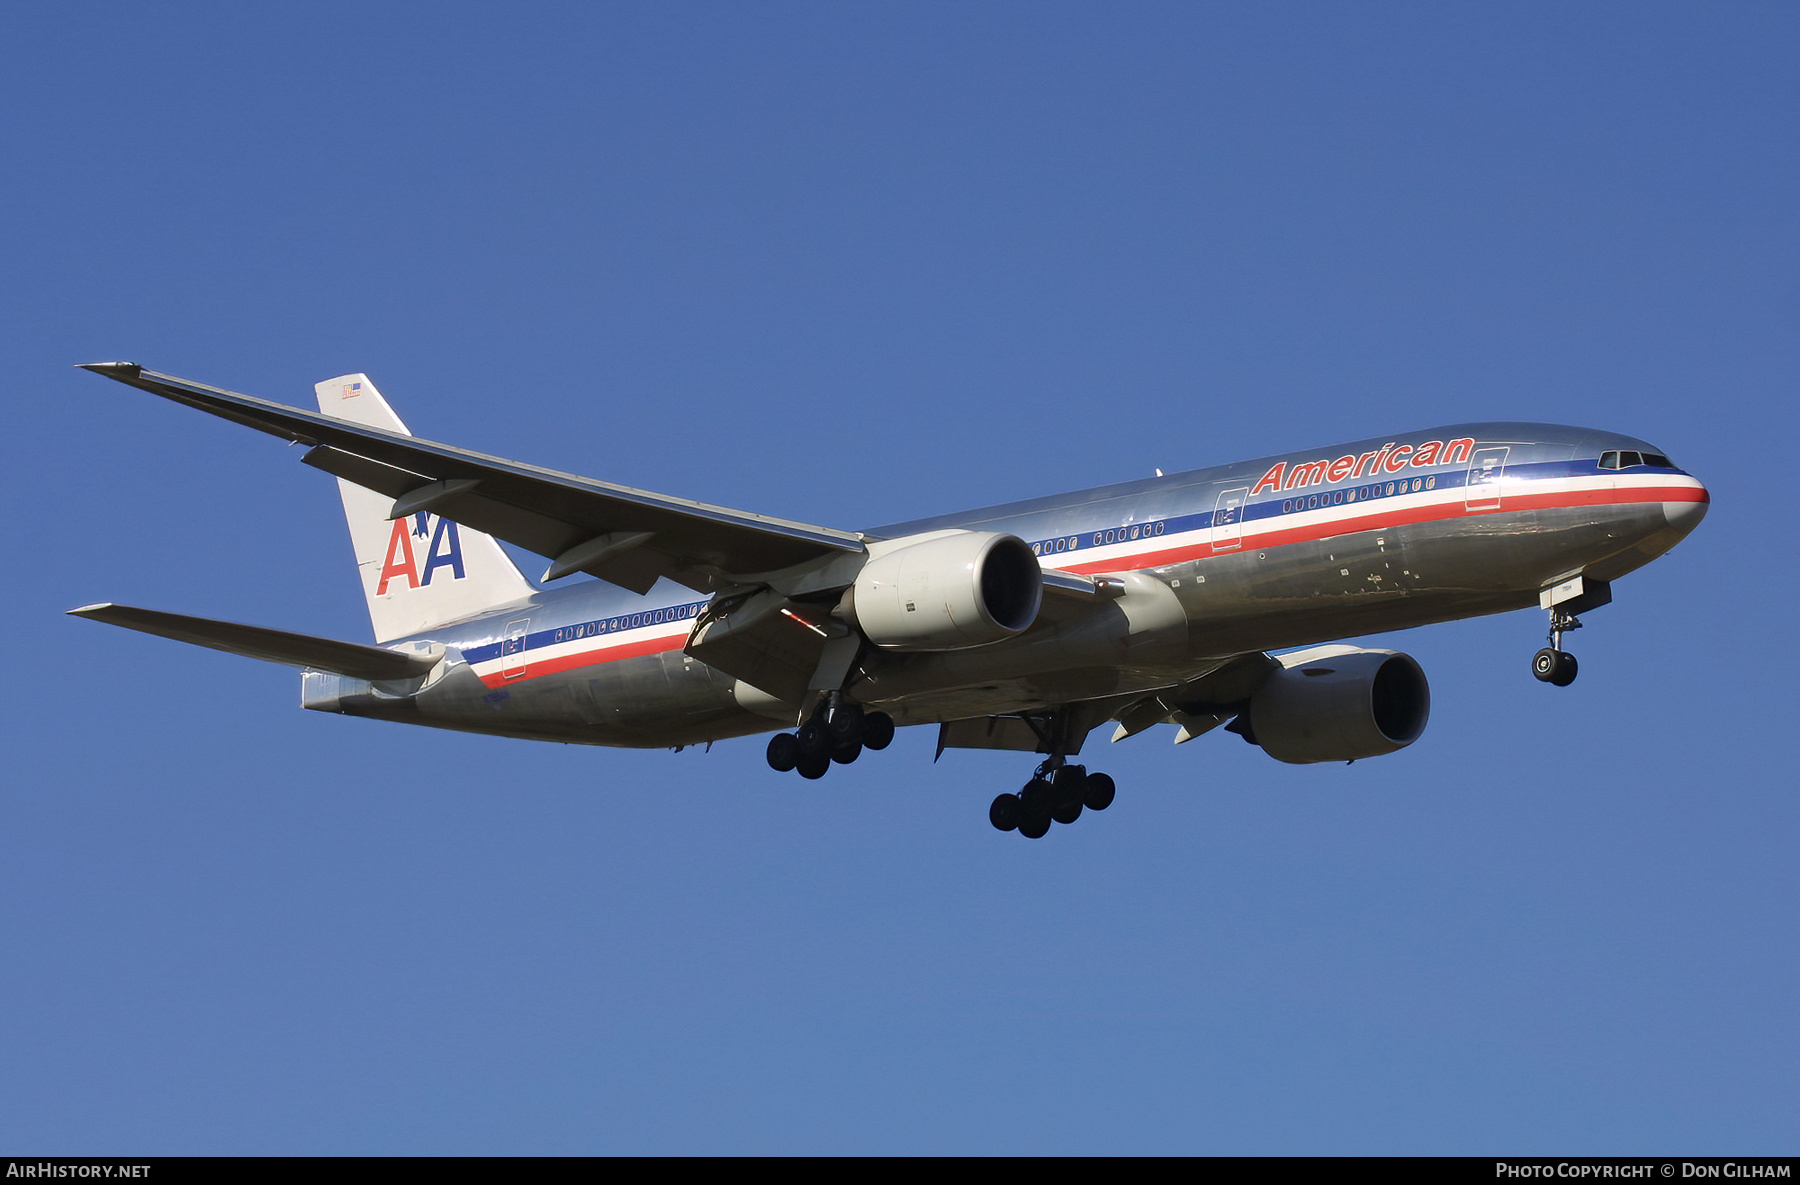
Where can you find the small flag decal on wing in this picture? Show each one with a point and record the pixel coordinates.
(351, 390)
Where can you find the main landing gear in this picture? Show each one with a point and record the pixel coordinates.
(1553, 664)
(1056, 792)
(837, 733)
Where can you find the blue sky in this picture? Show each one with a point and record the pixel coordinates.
(851, 264)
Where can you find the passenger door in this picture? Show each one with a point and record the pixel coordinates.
(1486, 469)
(1228, 519)
(512, 648)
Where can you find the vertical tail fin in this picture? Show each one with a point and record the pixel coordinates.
(420, 571)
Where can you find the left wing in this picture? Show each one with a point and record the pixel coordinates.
(1197, 706)
(626, 536)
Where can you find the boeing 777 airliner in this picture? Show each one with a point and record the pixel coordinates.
(1022, 627)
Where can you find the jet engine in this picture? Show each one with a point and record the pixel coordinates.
(946, 590)
(1339, 703)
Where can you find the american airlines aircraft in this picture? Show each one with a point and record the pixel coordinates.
(1021, 627)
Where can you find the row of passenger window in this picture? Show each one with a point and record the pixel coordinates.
(627, 621)
(1127, 534)
(1101, 538)
(1625, 460)
(1359, 494)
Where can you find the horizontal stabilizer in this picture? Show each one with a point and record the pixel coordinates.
(294, 650)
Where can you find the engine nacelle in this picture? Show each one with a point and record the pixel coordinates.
(1339, 703)
(947, 590)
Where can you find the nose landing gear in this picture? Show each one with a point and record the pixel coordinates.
(1563, 601)
(1553, 664)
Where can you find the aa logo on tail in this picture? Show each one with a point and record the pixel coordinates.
(444, 551)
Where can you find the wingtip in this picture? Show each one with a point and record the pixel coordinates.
(88, 610)
(113, 370)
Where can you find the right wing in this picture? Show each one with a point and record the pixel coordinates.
(626, 536)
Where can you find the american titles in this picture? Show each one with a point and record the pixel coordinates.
(1389, 458)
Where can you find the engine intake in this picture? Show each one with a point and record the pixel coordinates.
(1340, 703)
(947, 591)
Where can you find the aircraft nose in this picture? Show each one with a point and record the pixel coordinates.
(1685, 512)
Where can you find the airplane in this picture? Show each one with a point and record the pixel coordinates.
(1175, 599)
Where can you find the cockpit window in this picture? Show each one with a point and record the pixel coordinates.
(1626, 459)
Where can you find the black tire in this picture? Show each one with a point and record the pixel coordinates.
(1033, 825)
(1100, 790)
(1038, 796)
(1067, 812)
(813, 765)
(784, 752)
(1005, 813)
(1566, 669)
(845, 754)
(877, 730)
(845, 724)
(1544, 665)
(1070, 784)
(814, 741)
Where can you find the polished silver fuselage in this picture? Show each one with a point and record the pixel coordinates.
(1264, 555)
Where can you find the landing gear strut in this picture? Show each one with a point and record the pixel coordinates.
(1058, 792)
(1553, 664)
(836, 732)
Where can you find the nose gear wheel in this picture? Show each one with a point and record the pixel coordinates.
(1553, 664)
